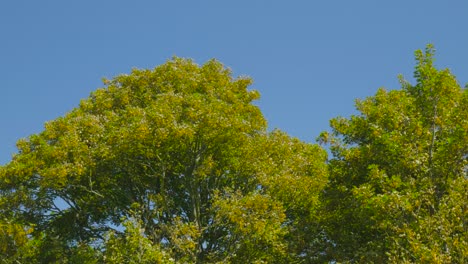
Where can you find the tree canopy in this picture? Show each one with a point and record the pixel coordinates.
(166, 165)
(398, 177)
(176, 165)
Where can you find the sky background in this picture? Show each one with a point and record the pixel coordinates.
(309, 59)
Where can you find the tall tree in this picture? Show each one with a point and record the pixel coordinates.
(173, 163)
(398, 177)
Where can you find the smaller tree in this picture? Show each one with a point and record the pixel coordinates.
(398, 176)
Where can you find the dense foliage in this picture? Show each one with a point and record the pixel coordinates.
(398, 177)
(175, 165)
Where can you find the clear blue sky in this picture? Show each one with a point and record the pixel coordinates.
(309, 59)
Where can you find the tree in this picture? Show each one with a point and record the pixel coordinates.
(173, 163)
(398, 177)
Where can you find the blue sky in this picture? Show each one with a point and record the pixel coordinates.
(309, 59)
